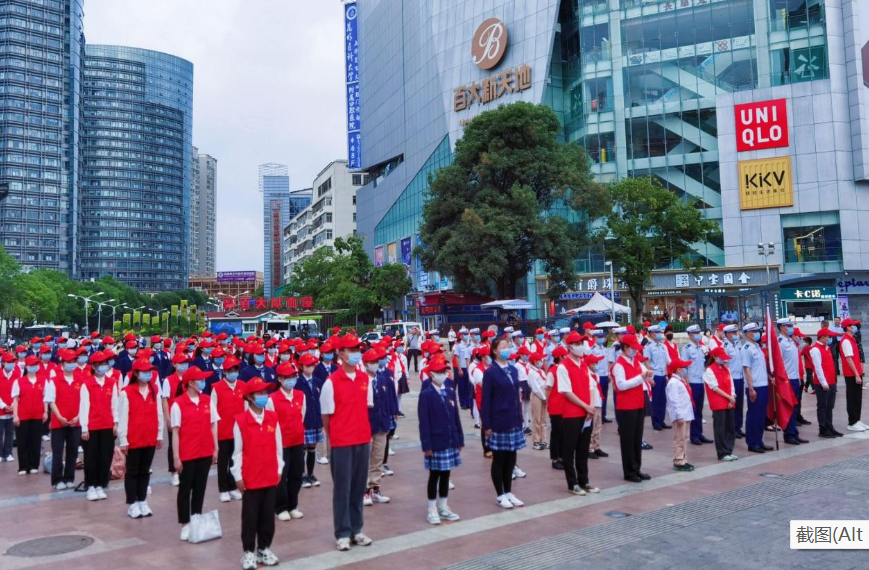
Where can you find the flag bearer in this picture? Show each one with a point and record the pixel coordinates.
(722, 402)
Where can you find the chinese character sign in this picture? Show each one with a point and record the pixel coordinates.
(351, 62)
(492, 88)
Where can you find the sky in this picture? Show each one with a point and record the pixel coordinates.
(267, 87)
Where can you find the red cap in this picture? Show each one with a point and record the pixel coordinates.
(559, 352)
(719, 353)
(254, 348)
(44, 349)
(95, 334)
(630, 340)
(130, 344)
(850, 322)
(372, 355)
(129, 336)
(592, 358)
(327, 347)
(537, 356)
(98, 357)
(86, 342)
(676, 364)
(108, 340)
(646, 324)
(286, 369)
(721, 326)
(573, 338)
(308, 360)
(156, 338)
(231, 362)
(488, 334)
(142, 365)
(631, 329)
(481, 351)
(437, 364)
(587, 327)
(523, 351)
(7, 357)
(827, 332)
(194, 373)
(31, 360)
(222, 336)
(66, 354)
(255, 385)
(218, 352)
(179, 358)
(350, 341)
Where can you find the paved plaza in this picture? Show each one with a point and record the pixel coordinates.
(723, 515)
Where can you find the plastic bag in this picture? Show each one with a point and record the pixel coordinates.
(119, 464)
(205, 527)
(46, 463)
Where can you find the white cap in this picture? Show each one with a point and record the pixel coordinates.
(751, 327)
(731, 328)
(564, 330)
(654, 329)
(554, 332)
(474, 331)
(508, 329)
(783, 322)
(598, 332)
(621, 330)
(463, 330)
(517, 334)
(434, 331)
(693, 329)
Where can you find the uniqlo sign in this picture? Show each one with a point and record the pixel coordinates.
(761, 125)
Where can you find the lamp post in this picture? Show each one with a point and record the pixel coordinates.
(233, 296)
(86, 301)
(766, 251)
(612, 290)
(140, 321)
(115, 307)
(100, 313)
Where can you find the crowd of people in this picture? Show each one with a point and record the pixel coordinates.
(268, 410)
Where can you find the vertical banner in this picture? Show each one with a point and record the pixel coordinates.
(116, 327)
(137, 318)
(378, 256)
(146, 320)
(126, 320)
(407, 256)
(843, 311)
(165, 319)
(351, 89)
(392, 253)
(184, 311)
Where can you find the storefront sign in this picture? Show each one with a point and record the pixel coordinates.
(585, 296)
(245, 303)
(235, 276)
(489, 43)
(714, 280)
(765, 183)
(492, 88)
(809, 294)
(761, 125)
(852, 286)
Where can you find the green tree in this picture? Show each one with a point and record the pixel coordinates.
(9, 268)
(650, 227)
(490, 214)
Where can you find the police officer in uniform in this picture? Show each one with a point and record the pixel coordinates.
(733, 348)
(658, 357)
(694, 353)
(756, 385)
(790, 353)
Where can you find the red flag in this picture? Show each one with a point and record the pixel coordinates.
(782, 399)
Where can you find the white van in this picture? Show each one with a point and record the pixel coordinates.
(404, 327)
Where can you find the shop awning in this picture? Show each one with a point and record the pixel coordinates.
(509, 305)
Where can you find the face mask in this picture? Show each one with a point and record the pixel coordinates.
(46, 357)
(82, 359)
(102, 369)
(659, 337)
(51, 343)
(539, 337)
(719, 361)
(69, 366)
(372, 366)
(37, 346)
(145, 376)
(191, 349)
(285, 357)
(290, 383)
(829, 341)
(97, 342)
(438, 377)
(260, 400)
(555, 339)
(487, 360)
(476, 337)
(669, 336)
(132, 351)
(526, 357)
(158, 346)
(599, 340)
(272, 351)
(577, 349)
(399, 350)
(328, 357)
(696, 337)
(755, 336)
(219, 361)
(383, 362)
(354, 358)
(790, 331)
(32, 369)
(436, 338)
(8, 366)
(505, 353)
(259, 358)
(206, 351)
(629, 352)
(182, 368)
(199, 385)
(112, 362)
(232, 376)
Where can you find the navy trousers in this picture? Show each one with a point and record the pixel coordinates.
(792, 431)
(698, 391)
(605, 388)
(659, 401)
(465, 390)
(755, 418)
(739, 410)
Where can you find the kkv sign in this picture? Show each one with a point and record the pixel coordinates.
(761, 125)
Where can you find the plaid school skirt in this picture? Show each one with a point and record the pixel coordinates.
(313, 436)
(392, 423)
(512, 440)
(445, 460)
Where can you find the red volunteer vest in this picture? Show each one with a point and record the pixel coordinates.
(230, 403)
(67, 398)
(846, 370)
(259, 455)
(807, 358)
(478, 389)
(142, 420)
(349, 424)
(6, 389)
(290, 417)
(632, 399)
(555, 405)
(725, 384)
(100, 400)
(30, 405)
(579, 385)
(827, 363)
(672, 349)
(174, 380)
(194, 437)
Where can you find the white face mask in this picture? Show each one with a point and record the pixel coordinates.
(372, 367)
(577, 349)
(439, 377)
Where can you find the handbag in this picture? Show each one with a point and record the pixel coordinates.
(205, 527)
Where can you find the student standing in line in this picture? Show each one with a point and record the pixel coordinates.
(98, 414)
(852, 370)
(480, 361)
(628, 383)
(573, 383)
(680, 407)
(194, 441)
(592, 360)
(172, 388)
(722, 401)
(29, 412)
(140, 434)
(824, 381)
(227, 401)
(555, 407)
(313, 421)
(537, 383)
(8, 374)
(327, 366)
(379, 416)
(63, 397)
(257, 466)
(289, 402)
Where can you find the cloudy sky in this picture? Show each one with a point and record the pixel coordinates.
(268, 86)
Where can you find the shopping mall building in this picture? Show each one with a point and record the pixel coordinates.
(754, 111)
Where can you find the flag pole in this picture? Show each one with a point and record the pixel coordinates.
(772, 380)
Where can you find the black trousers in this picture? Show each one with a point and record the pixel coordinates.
(225, 480)
(413, 358)
(287, 498)
(257, 518)
(724, 432)
(191, 491)
(386, 449)
(826, 403)
(29, 436)
(439, 484)
(555, 438)
(98, 452)
(631, 440)
(64, 453)
(171, 453)
(853, 399)
(503, 463)
(138, 475)
(575, 443)
(7, 434)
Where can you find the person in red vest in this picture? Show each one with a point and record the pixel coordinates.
(290, 405)
(29, 411)
(140, 433)
(824, 381)
(194, 442)
(722, 402)
(257, 466)
(628, 383)
(171, 389)
(852, 370)
(98, 415)
(63, 397)
(573, 383)
(344, 401)
(227, 401)
(9, 373)
(555, 407)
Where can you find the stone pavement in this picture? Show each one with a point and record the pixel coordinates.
(677, 520)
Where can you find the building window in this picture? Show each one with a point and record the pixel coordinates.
(812, 238)
(360, 179)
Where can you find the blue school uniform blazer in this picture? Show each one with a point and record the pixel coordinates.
(502, 409)
(439, 425)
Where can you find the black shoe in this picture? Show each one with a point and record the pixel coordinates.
(801, 440)
(740, 434)
(667, 426)
(826, 435)
(689, 465)
(646, 446)
(477, 426)
(607, 421)
(536, 446)
(803, 421)
(592, 456)
(681, 467)
(767, 447)
(696, 442)
(792, 441)
(756, 450)
(601, 453)
(644, 476)
(836, 433)
(634, 479)
(401, 415)
(704, 439)
(558, 465)
(527, 431)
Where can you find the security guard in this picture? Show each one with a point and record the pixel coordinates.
(756, 385)
(693, 352)
(733, 348)
(790, 353)
(658, 357)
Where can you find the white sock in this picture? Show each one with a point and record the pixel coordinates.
(442, 503)
(431, 504)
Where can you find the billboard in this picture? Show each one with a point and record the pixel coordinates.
(351, 89)
(392, 253)
(378, 256)
(855, 14)
(765, 183)
(235, 276)
(761, 125)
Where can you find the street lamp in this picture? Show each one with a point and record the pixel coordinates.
(100, 313)
(234, 296)
(766, 251)
(114, 307)
(612, 290)
(86, 301)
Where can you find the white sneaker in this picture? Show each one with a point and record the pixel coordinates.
(80, 449)
(60, 486)
(386, 470)
(379, 497)
(591, 489)
(267, 557)
(367, 501)
(362, 540)
(33, 471)
(248, 561)
(134, 512)
(92, 494)
(577, 490)
(176, 479)
(862, 425)
(446, 514)
(514, 501)
(235, 495)
(101, 493)
(433, 517)
(45, 438)
(728, 458)
(519, 473)
(855, 427)
(452, 486)
(391, 452)
(9, 458)
(322, 461)
(504, 502)
(296, 514)
(22, 472)
(343, 544)
(284, 516)
(185, 532)
(146, 510)
(224, 498)
(150, 492)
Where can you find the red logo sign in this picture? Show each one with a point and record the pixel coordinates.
(761, 125)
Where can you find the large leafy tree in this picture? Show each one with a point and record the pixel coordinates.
(488, 216)
(650, 227)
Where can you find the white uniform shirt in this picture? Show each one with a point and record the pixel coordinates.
(175, 413)
(818, 363)
(621, 381)
(679, 406)
(537, 382)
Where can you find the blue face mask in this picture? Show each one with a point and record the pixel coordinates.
(290, 383)
(526, 357)
(476, 337)
(232, 376)
(663, 325)
(261, 400)
(328, 357)
(756, 336)
(145, 376)
(199, 385)
(102, 369)
(599, 340)
(37, 346)
(219, 361)
(696, 337)
(69, 366)
(539, 337)
(399, 350)
(829, 341)
(383, 362)
(111, 363)
(505, 353)
(51, 343)
(354, 358)
(181, 368)
(32, 369)
(659, 337)
(555, 339)
(259, 358)
(206, 351)
(157, 346)
(46, 357)
(436, 338)
(790, 331)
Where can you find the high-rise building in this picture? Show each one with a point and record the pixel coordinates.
(332, 214)
(203, 215)
(40, 78)
(279, 207)
(136, 177)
